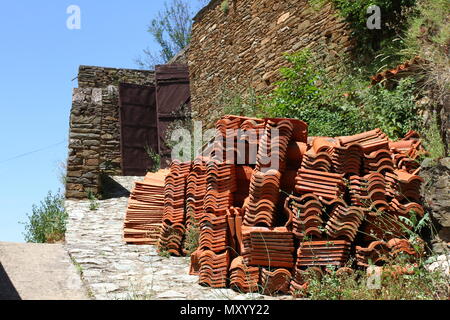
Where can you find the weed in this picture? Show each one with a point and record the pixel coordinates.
(155, 158)
(433, 141)
(225, 6)
(47, 223)
(163, 253)
(80, 271)
(419, 284)
(192, 237)
(239, 102)
(307, 93)
(93, 201)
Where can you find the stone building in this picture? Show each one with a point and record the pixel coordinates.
(94, 139)
(243, 46)
(116, 114)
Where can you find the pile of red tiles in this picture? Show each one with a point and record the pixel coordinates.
(174, 218)
(298, 203)
(143, 220)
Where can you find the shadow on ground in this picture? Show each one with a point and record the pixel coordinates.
(112, 189)
(7, 289)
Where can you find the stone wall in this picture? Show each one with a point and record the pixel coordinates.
(435, 191)
(94, 139)
(84, 142)
(99, 77)
(244, 47)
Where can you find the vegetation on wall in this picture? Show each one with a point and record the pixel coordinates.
(348, 104)
(433, 140)
(393, 21)
(239, 102)
(341, 108)
(155, 158)
(225, 6)
(47, 223)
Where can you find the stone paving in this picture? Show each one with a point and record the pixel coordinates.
(112, 269)
(36, 271)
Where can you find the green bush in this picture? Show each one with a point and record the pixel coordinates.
(433, 140)
(234, 103)
(420, 285)
(393, 21)
(429, 27)
(393, 111)
(333, 108)
(47, 223)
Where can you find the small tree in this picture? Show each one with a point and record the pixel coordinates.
(47, 223)
(171, 29)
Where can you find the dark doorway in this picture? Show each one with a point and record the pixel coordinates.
(146, 115)
(173, 99)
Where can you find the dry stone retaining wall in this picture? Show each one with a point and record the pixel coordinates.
(244, 47)
(94, 138)
(435, 191)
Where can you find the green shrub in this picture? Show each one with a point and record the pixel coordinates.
(305, 94)
(155, 158)
(225, 6)
(47, 223)
(433, 140)
(234, 103)
(93, 200)
(420, 285)
(333, 108)
(393, 21)
(393, 111)
(429, 26)
(192, 237)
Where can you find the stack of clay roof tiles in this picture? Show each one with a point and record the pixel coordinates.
(145, 210)
(214, 268)
(273, 282)
(237, 139)
(344, 222)
(381, 251)
(368, 189)
(304, 203)
(322, 184)
(174, 219)
(306, 213)
(323, 253)
(196, 190)
(214, 225)
(243, 277)
(268, 247)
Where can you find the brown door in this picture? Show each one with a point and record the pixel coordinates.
(139, 128)
(173, 101)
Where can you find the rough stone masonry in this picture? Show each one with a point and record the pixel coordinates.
(244, 46)
(94, 139)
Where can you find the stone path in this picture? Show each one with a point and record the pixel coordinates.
(111, 269)
(114, 270)
(38, 272)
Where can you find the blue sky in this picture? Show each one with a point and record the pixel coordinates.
(39, 58)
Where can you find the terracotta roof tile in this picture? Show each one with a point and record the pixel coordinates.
(304, 214)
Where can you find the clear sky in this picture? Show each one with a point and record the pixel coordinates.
(39, 57)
